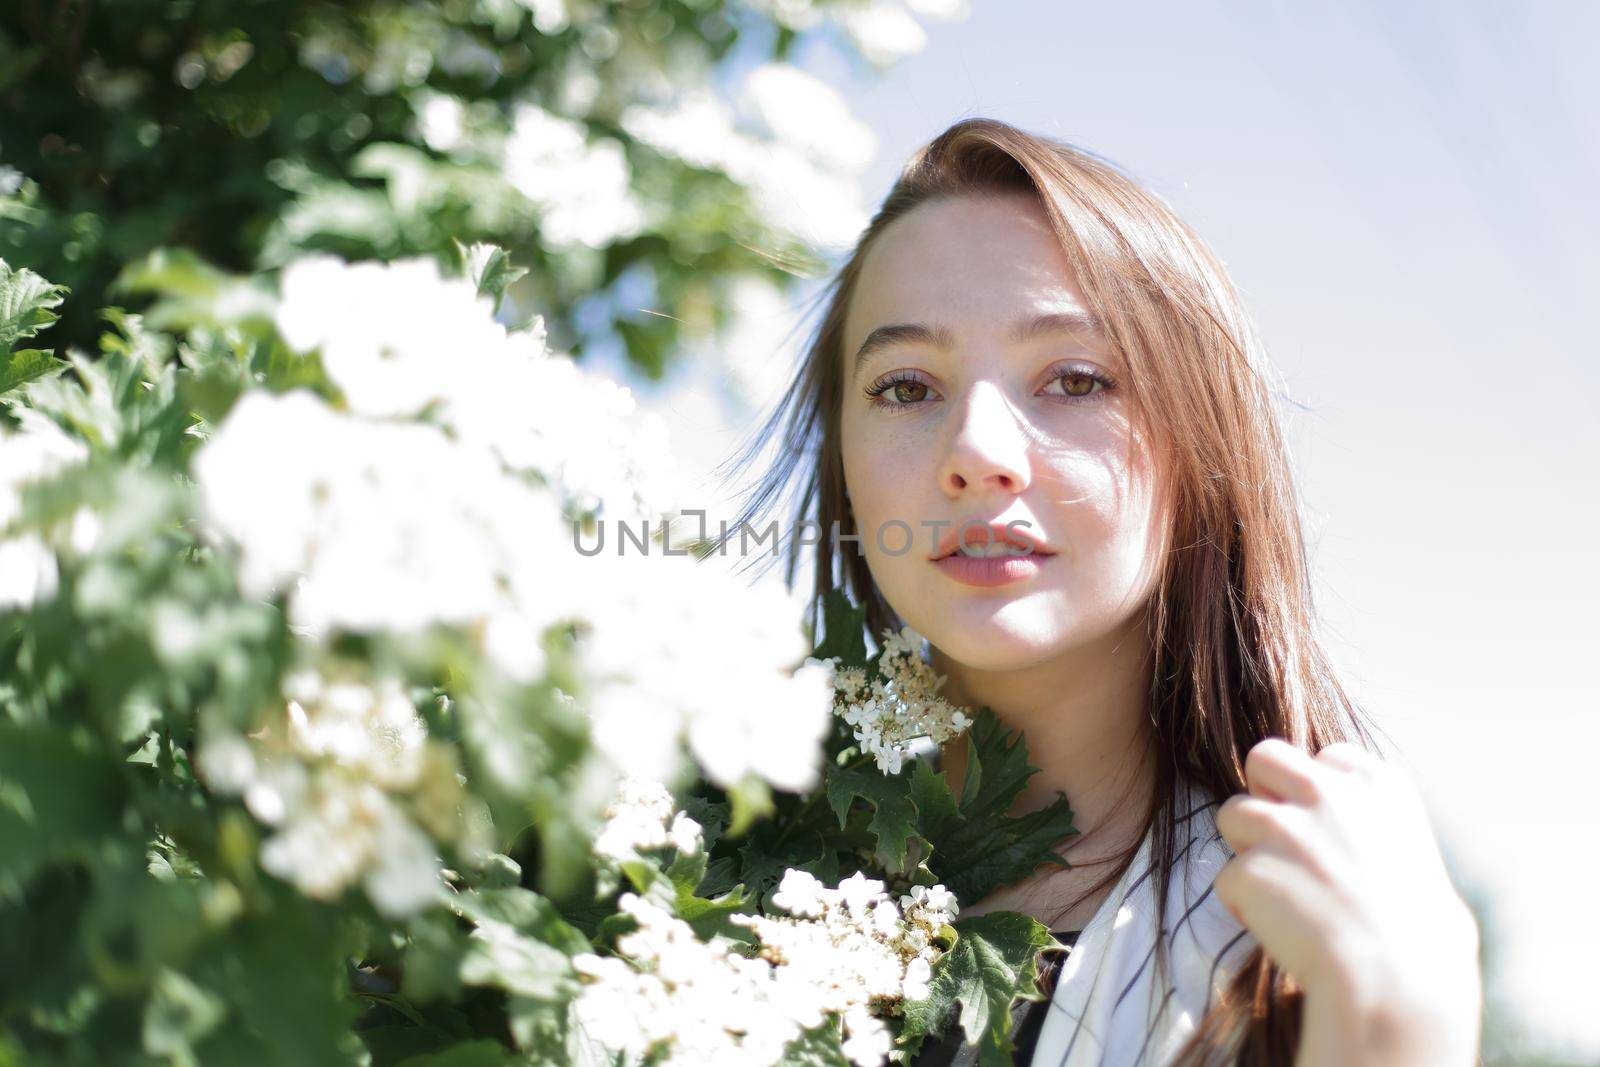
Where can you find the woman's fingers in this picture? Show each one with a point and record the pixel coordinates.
(1285, 905)
(1248, 821)
(1277, 770)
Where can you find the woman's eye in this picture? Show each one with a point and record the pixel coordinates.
(1080, 384)
(909, 392)
(898, 392)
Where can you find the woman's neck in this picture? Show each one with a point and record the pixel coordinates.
(1084, 717)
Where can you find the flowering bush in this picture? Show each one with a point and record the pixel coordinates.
(319, 743)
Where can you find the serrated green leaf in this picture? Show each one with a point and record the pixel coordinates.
(26, 303)
(894, 819)
(994, 961)
(977, 846)
(26, 364)
(708, 918)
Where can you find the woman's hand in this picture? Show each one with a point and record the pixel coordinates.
(1337, 874)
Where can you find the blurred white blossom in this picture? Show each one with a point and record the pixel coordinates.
(441, 120)
(400, 338)
(641, 817)
(36, 451)
(803, 176)
(802, 111)
(684, 649)
(381, 525)
(28, 572)
(582, 189)
(884, 30)
(345, 773)
(443, 497)
(394, 336)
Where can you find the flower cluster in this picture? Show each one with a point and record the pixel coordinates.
(847, 953)
(899, 706)
(401, 338)
(441, 495)
(851, 952)
(38, 450)
(345, 772)
(741, 706)
(641, 817)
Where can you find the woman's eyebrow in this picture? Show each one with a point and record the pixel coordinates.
(1075, 321)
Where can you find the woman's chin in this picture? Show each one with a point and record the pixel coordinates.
(999, 640)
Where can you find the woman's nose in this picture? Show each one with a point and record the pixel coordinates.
(990, 446)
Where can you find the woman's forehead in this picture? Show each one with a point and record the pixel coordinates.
(977, 268)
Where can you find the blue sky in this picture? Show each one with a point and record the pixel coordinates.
(1405, 193)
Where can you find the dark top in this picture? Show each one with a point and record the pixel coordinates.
(1027, 1019)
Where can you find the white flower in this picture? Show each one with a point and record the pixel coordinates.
(352, 787)
(583, 189)
(37, 451)
(846, 952)
(736, 700)
(638, 818)
(799, 893)
(542, 413)
(27, 571)
(440, 120)
(869, 1040)
(380, 526)
(393, 336)
(890, 713)
(816, 197)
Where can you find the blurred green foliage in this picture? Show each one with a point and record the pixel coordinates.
(248, 131)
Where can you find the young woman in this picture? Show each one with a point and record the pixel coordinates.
(1028, 347)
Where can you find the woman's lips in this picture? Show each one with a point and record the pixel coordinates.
(990, 571)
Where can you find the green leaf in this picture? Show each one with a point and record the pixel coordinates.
(178, 1015)
(57, 799)
(437, 944)
(749, 799)
(505, 958)
(894, 819)
(26, 303)
(524, 910)
(977, 845)
(844, 632)
(488, 267)
(26, 364)
(994, 961)
(484, 1052)
(710, 917)
(821, 1047)
(190, 292)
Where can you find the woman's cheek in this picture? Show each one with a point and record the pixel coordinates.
(1107, 530)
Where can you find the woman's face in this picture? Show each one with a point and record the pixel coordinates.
(974, 419)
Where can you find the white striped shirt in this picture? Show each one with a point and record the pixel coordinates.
(1110, 1008)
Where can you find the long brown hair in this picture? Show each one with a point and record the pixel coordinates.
(1231, 622)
